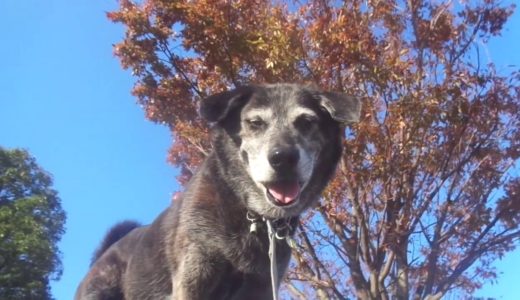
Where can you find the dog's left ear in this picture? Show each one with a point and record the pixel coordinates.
(216, 107)
(343, 108)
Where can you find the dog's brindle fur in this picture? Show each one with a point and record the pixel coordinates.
(201, 247)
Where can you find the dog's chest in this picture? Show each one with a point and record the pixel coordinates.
(251, 253)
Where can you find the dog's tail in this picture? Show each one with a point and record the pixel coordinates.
(115, 233)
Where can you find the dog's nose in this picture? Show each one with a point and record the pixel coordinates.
(283, 158)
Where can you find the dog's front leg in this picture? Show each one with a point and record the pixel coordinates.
(196, 277)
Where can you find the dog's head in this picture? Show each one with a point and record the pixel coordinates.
(282, 142)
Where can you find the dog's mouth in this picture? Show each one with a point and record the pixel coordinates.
(283, 193)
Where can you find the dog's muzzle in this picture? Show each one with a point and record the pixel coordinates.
(286, 189)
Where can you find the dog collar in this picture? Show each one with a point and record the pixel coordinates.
(282, 228)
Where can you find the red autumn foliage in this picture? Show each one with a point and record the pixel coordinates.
(427, 195)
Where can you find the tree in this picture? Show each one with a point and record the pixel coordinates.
(31, 224)
(427, 194)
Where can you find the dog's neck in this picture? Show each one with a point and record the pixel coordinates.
(283, 227)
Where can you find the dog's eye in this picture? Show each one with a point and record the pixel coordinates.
(305, 123)
(255, 124)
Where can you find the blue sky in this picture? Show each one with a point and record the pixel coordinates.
(65, 98)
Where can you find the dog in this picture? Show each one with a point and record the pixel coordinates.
(275, 147)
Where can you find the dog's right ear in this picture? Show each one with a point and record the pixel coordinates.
(216, 107)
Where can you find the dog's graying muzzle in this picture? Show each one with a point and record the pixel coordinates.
(284, 158)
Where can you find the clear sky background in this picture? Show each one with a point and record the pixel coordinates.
(65, 98)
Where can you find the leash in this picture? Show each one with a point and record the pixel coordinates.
(273, 234)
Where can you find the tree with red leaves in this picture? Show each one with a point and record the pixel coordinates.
(427, 194)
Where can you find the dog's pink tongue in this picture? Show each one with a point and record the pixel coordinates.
(284, 192)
